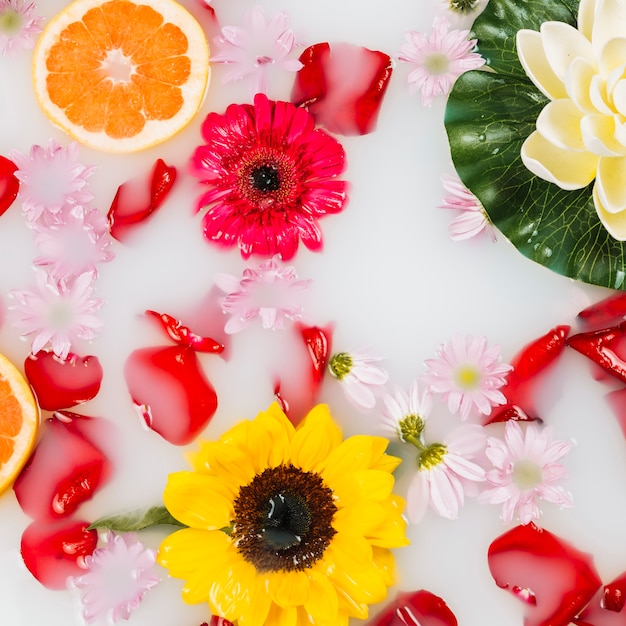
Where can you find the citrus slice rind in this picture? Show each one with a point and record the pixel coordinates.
(16, 442)
(156, 129)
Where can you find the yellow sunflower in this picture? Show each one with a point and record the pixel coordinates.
(286, 526)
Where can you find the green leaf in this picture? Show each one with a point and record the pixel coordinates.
(137, 520)
(488, 117)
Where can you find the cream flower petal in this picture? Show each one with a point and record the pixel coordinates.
(578, 84)
(569, 170)
(559, 123)
(597, 95)
(609, 23)
(612, 55)
(598, 133)
(586, 15)
(620, 132)
(610, 184)
(615, 223)
(534, 61)
(561, 44)
(619, 97)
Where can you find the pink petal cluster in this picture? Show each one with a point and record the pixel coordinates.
(438, 59)
(525, 469)
(468, 374)
(58, 312)
(19, 25)
(472, 219)
(251, 51)
(117, 579)
(271, 292)
(442, 479)
(359, 375)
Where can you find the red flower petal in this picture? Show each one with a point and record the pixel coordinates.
(529, 364)
(605, 312)
(555, 580)
(62, 384)
(417, 608)
(342, 86)
(183, 336)
(135, 200)
(606, 607)
(9, 185)
(170, 391)
(66, 467)
(54, 551)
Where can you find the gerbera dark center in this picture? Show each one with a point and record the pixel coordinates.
(283, 519)
(265, 178)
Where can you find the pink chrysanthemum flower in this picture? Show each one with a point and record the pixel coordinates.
(252, 51)
(270, 292)
(51, 179)
(525, 470)
(117, 579)
(438, 59)
(445, 470)
(468, 374)
(270, 176)
(58, 312)
(19, 24)
(406, 413)
(472, 219)
(78, 243)
(359, 375)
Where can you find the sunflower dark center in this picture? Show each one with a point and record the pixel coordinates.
(283, 519)
(265, 178)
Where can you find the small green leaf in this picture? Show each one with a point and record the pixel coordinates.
(488, 117)
(137, 520)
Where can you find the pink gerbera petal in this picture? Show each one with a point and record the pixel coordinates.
(267, 183)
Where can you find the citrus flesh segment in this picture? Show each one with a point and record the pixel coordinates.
(19, 422)
(119, 75)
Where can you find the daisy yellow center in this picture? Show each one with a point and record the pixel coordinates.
(341, 365)
(432, 455)
(283, 519)
(437, 64)
(526, 474)
(10, 22)
(467, 377)
(463, 6)
(410, 427)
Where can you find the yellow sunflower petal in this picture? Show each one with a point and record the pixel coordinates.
(289, 588)
(323, 604)
(228, 462)
(316, 437)
(359, 518)
(390, 533)
(385, 565)
(189, 550)
(198, 500)
(353, 454)
(362, 484)
(270, 437)
(278, 616)
(351, 547)
(260, 602)
(232, 587)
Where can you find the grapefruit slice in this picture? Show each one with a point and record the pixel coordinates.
(121, 76)
(19, 422)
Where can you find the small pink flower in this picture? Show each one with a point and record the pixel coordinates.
(439, 59)
(59, 312)
(444, 473)
(406, 413)
(525, 469)
(117, 579)
(271, 292)
(51, 179)
(78, 243)
(18, 25)
(468, 374)
(358, 375)
(251, 51)
(472, 219)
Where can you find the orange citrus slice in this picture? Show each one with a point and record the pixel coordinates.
(19, 422)
(121, 76)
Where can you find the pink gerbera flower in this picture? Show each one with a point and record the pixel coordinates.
(270, 176)
(18, 25)
(252, 51)
(271, 292)
(468, 374)
(445, 470)
(117, 579)
(59, 312)
(51, 179)
(472, 219)
(525, 469)
(78, 243)
(359, 375)
(439, 59)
